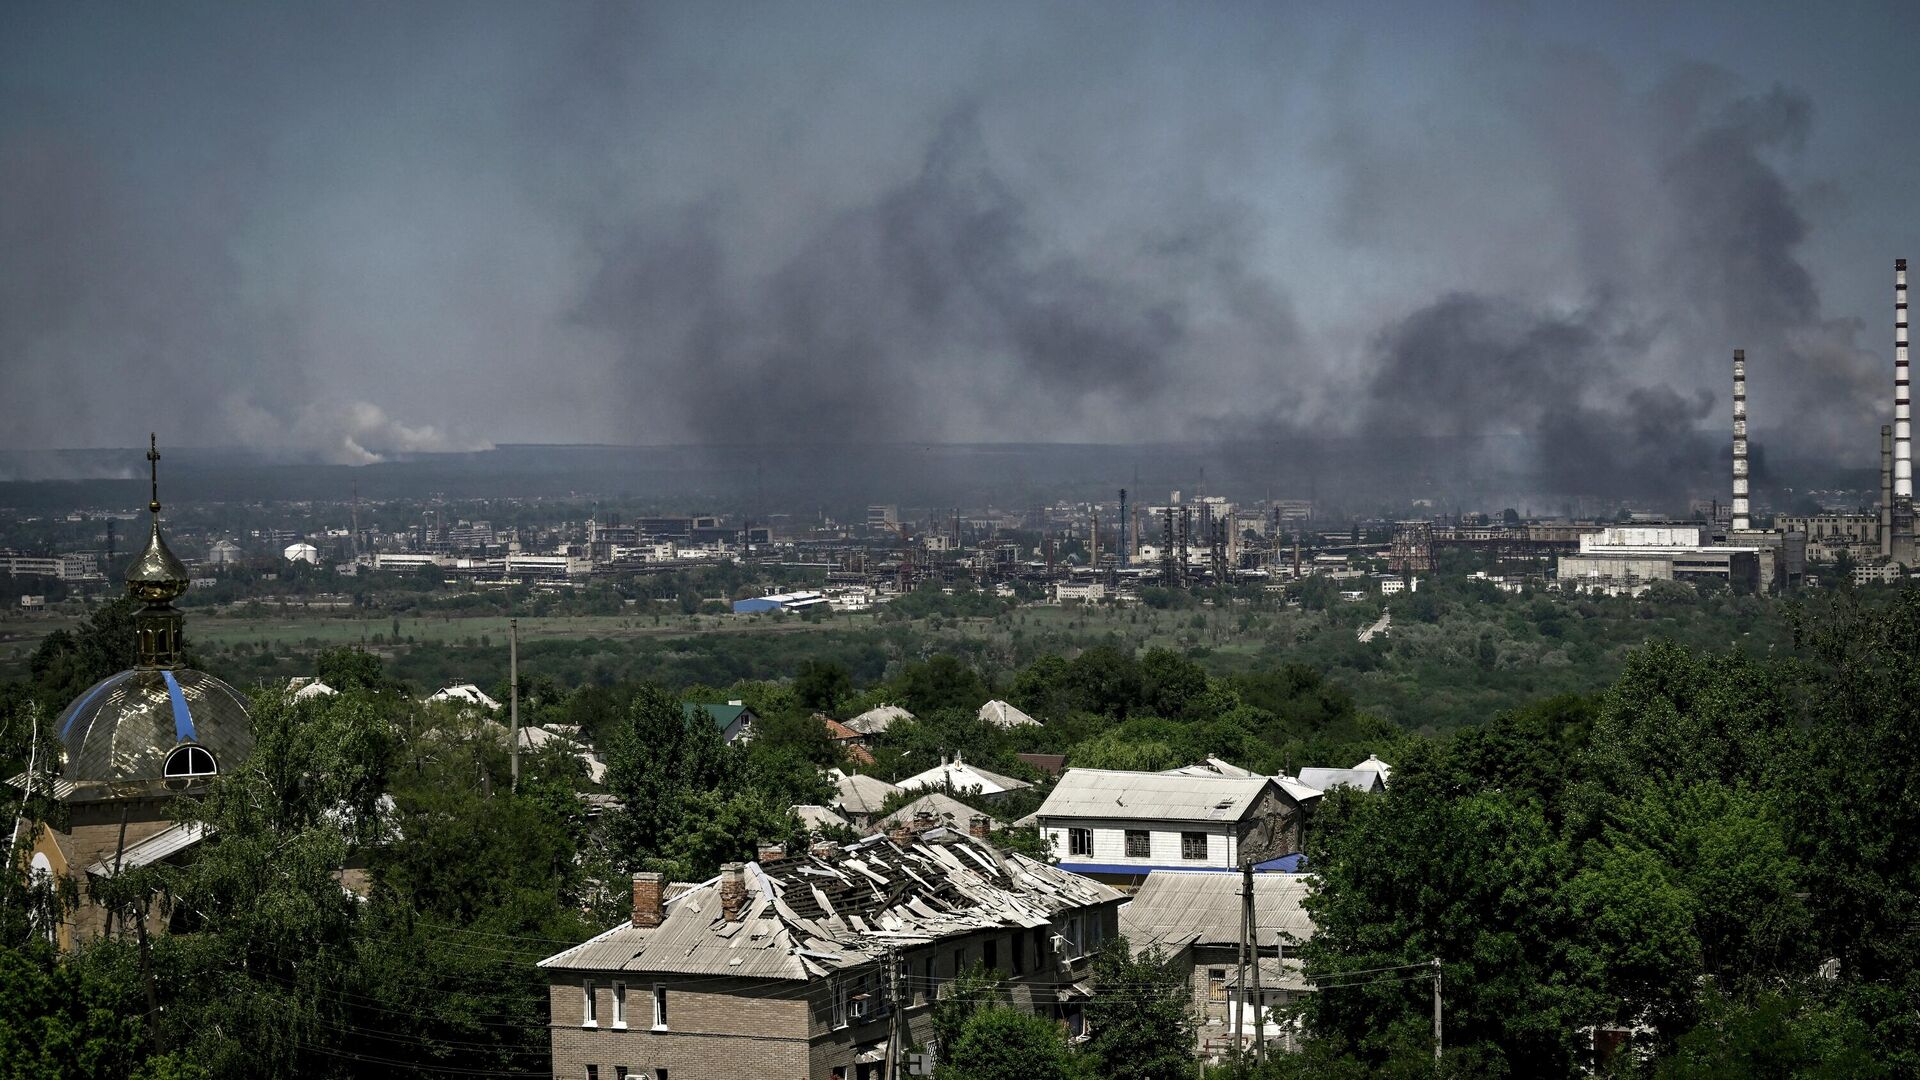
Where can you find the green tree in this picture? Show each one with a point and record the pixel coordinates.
(1000, 1043)
(822, 685)
(1141, 1015)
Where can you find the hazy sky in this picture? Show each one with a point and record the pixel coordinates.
(358, 229)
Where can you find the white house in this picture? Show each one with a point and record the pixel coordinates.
(878, 719)
(465, 694)
(960, 776)
(1001, 714)
(1118, 826)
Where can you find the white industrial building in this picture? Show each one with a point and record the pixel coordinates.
(1627, 559)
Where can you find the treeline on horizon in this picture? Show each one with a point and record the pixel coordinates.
(1716, 854)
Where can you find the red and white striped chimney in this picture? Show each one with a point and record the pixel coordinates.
(1740, 519)
(1902, 407)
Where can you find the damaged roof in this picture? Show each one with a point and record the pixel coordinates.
(806, 917)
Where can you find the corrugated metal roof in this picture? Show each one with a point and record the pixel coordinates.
(862, 794)
(817, 817)
(1111, 793)
(153, 849)
(1212, 767)
(960, 776)
(1175, 907)
(44, 783)
(1328, 779)
(945, 809)
(878, 719)
(806, 917)
(1001, 714)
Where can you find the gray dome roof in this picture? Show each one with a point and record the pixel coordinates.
(124, 726)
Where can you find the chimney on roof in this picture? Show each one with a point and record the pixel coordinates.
(823, 849)
(646, 900)
(901, 833)
(924, 820)
(771, 853)
(980, 826)
(733, 890)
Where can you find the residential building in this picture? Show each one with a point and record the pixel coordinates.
(878, 719)
(734, 720)
(1118, 826)
(1000, 714)
(464, 694)
(957, 775)
(852, 744)
(939, 808)
(1194, 918)
(820, 965)
(860, 797)
(1369, 776)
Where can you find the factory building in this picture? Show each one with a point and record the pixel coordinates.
(1628, 559)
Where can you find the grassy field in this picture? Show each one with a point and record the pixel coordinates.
(1457, 665)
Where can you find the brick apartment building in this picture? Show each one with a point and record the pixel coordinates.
(819, 966)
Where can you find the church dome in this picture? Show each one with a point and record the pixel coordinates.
(127, 727)
(159, 724)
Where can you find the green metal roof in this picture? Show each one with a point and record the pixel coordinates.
(722, 716)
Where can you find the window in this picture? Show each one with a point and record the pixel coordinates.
(593, 1072)
(620, 1009)
(590, 1014)
(188, 762)
(990, 953)
(839, 1004)
(619, 1072)
(1216, 984)
(931, 978)
(1193, 845)
(1018, 948)
(1080, 841)
(1139, 844)
(1072, 935)
(660, 1008)
(659, 1074)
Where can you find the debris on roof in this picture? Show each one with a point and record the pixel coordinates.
(840, 907)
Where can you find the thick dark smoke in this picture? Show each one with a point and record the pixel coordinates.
(936, 311)
(1518, 246)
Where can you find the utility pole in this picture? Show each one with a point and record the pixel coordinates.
(1259, 999)
(1436, 1010)
(1240, 965)
(513, 696)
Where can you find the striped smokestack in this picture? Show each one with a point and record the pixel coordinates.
(1902, 408)
(1886, 489)
(1740, 520)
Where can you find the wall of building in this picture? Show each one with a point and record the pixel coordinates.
(716, 1028)
(1110, 841)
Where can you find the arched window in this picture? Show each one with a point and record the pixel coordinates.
(189, 762)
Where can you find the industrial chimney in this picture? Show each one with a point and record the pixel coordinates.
(1740, 520)
(1902, 407)
(1886, 489)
